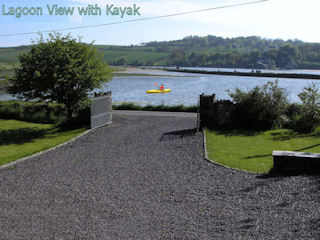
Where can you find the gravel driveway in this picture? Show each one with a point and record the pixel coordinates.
(145, 177)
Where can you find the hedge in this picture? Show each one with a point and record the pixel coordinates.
(33, 112)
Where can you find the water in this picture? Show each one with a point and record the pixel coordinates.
(186, 88)
(6, 97)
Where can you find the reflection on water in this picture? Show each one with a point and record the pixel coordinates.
(186, 88)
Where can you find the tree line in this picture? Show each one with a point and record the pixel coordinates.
(240, 52)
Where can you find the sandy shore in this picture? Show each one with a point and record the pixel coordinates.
(138, 71)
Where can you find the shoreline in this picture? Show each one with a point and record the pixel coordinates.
(248, 74)
(142, 71)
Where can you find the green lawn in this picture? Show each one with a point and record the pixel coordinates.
(252, 151)
(19, 139)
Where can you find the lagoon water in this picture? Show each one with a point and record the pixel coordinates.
(186, 87)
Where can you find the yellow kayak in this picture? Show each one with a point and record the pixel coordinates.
(158, 91)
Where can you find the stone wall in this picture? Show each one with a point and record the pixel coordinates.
(295, 162)
(215, 114)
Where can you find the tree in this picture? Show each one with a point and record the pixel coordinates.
(310, 114)
(122, 61)
(60, 69)
(286, 54)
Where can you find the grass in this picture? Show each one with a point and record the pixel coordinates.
(252, 151)
(7, 70)
(20, 139)
(9, 55)
(143, 56)
(3, 84)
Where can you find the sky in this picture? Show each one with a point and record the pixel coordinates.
(272, 19)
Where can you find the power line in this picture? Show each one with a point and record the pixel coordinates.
(135, 20)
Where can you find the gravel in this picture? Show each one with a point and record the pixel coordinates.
(145, 177)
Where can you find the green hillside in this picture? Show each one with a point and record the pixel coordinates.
(9, 55)
(209, 51)
(116, 55)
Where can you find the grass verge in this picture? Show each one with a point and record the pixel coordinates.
(164, 108)
(252, 151)
(20, 139)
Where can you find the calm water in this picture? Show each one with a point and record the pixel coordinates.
(186, 88)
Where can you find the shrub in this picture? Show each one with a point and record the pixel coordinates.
(175, 108)
(293, 113)
(44, 112)
(83, 116)
(260, 108)
(32, 112)
(127, 106)
(309, 116)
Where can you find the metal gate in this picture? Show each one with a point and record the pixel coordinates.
(101, 110)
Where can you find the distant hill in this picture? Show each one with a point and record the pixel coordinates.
(209, 51)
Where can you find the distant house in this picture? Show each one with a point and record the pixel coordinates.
(265, 63)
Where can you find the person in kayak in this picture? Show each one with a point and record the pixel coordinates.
(162, 87)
